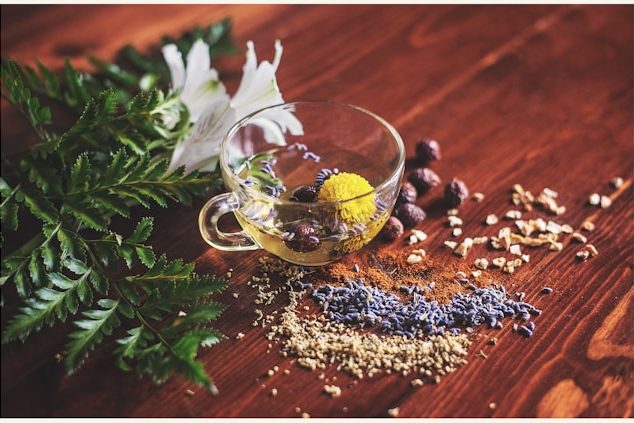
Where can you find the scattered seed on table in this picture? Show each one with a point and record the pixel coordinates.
(419, 235)
(588, 226)
(546, 290)
(273, 392)
(594, 199)
(451, 244)
(454, 221)
(592, 250)
(481, 263)
(393, 412)
(491, 219)
(333, 390)
(414, 258)
(515, 249)
(190, 393)
(513, 214)
(492, 406)
(617, 182)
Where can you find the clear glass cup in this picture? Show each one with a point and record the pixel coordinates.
(343, 138)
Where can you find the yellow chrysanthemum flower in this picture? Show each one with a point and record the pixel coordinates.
(344, 186)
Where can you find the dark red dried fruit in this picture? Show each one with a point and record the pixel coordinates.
(428, 150)
(393, 229)
(407, 194)
(455, 193)
(304, 194)
(410, 214)
(424, 179)
(302, 237)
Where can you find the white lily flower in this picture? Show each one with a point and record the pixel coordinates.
(198, 84)
(258, 89)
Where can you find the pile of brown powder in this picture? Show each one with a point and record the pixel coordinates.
(388, 270)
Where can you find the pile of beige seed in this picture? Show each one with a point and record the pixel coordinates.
(317, 343)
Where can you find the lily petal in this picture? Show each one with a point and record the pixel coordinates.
(258, 89)
(202, 145)
(174, 60)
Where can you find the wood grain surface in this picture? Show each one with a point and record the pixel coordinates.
(537, 95)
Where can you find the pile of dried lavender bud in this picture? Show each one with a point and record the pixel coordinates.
(366, 306)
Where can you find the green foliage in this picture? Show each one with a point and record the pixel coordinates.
(17, 92)
(112, 158)
(217, 36)
(98, 324)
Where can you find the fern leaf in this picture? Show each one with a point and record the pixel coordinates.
(143, 230)
(98, 324)
(46, 306)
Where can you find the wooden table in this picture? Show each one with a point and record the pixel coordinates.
(537, 95)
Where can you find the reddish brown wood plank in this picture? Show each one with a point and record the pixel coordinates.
(537, 95)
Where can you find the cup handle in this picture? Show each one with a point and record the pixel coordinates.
(208, 225)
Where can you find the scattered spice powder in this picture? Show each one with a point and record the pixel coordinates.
(390, 271)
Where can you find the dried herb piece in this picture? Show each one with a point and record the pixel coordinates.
(304, 194)
(407, 194)
(302, 237)
(393, 229)
(428, 150)
(455, 192)
(424, 179)
(410, 214)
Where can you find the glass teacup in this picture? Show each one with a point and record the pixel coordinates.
(288, 198)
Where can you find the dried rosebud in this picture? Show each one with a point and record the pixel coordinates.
(424, 179)
(393, 229)
(302, 237)
(455, 193)
(428, 150)
(407, 194)
(410, 214)
(304, 194)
